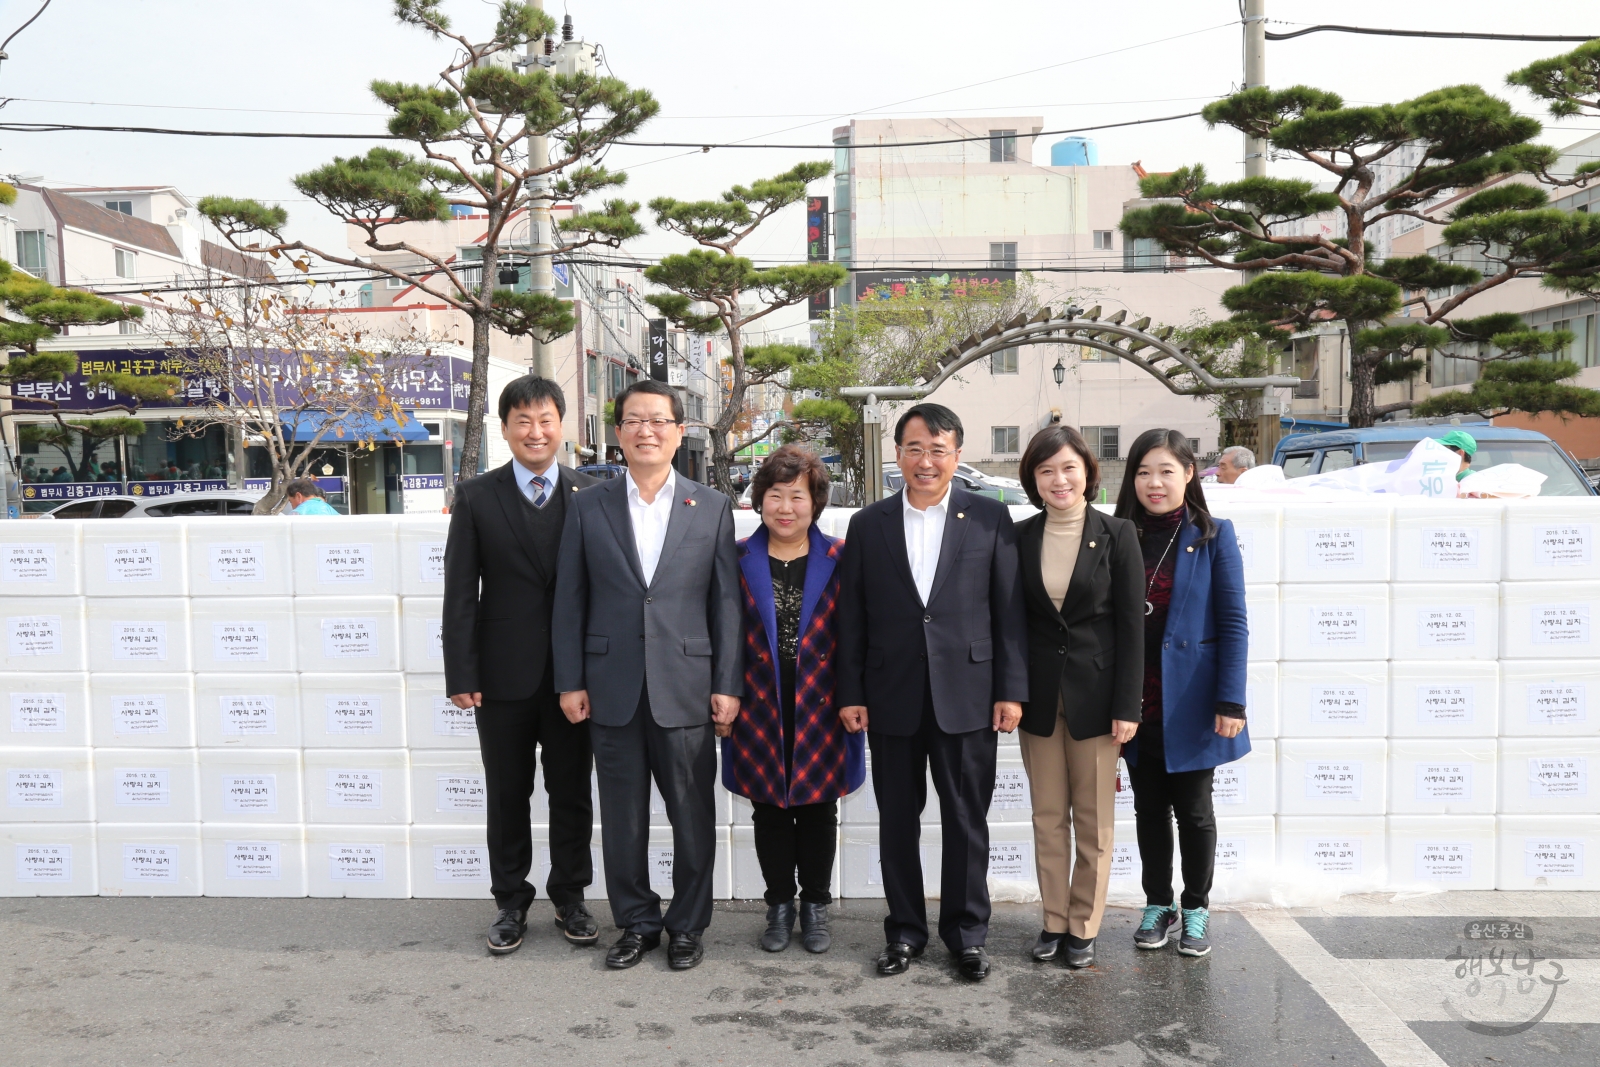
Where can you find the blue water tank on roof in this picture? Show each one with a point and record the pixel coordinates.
(1074, 152)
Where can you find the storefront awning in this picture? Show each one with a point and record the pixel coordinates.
(305, 425)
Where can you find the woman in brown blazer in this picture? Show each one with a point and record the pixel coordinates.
(1083, 586)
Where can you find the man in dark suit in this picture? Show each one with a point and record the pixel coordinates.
(650, 653)
(933, 646)
(500, 567)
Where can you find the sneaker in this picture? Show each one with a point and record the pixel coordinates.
(1193, 940)
(1152, 932)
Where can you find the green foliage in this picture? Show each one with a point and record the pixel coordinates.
(1425, 272)
(41, 367)
(151, 387)
(1518, 385)
(421, 112)
(540, 315)
(1304, 297)
(613, 224)
(235, 216)
(1508, 196)
(767, 362)
(1568, 82)
(1390, 349)
(384, 184)
(725, 222)
(1526, 344)
(8, 194)
(108, 428)
(33, 310)
(1485, 327)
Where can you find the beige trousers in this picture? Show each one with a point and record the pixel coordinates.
(1073, 786)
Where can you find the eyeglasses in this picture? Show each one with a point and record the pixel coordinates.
(635, 425)
(916, 454)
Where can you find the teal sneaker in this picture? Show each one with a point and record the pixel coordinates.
(1153, 927)
(1193, 940)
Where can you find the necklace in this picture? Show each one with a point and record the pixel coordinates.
(1149, 608)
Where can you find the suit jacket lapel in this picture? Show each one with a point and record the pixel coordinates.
(511, 503)
(955, 529)
(1091, 550)
(679, 519)
(1183, 570)
(758, 579)
(819, 568)
(1030, 550)
(615, 505)
(893, 525)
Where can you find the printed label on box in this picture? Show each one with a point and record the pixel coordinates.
(33, 635)
(1450, 547)
(35, 787)
(1333, 781)
(142, 787)
(1443, 861)
(1553, 858)
(1338, 627)
(38, 713)
(44, 863)
(238, 563)
(430, 556)
(1124, 860)
(1560, 624)
(1247, 546)
(1557, 704)
(139, 641)
(1231, 852)
(27, 563)
(1567, 545)
(257, 861)
(1444, 781)
(133, 563)
(451, 721)
(134, 716)
(338, 564)
(1334, 855)
(1438, 627)
(149, 863)
(355, 789)
(350, 638)
(243, 714)
(660, 865)
(460, 863)
(1444, 703)
(354, 713)
(355, 863)
(239, 642)
(1227, 785)
(461, 792)
(1123, 804)
(1011, 789)
(254, 794)
(1335, 547)
(1345, 704)
(1558, 776)
(1011, 861)
(436, 641)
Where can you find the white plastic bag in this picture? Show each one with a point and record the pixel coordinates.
(1429, 470)
(1504, 480)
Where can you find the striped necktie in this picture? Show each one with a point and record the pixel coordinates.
(538, 491)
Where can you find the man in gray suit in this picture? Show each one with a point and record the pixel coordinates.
(649, 651)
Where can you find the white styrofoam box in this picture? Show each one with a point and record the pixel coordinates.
(1448, 541)
(659, 852)
(861, 807)
(450, 862)
(138, 634)
(1442, 852)
(1258, 528)
(1248, 786)
(147, 785)
(353, 710)
(1344, 542)
(47, 785)
(1247, 847)
(1444, 698)
(432, 721)
(1443, 776)
(1549, 620)
(346, 556)
(1546, 775)
(1341, 852)
(1127, 870)
(1265, 620)
(1335, 622)
(354, 633)
(44, 710)
(44, 634)
(242, 634)
(1261, 706)
(47, 860)
(422, 541)
(1448, 620)
(149, 860)
(540, 875)
(1011, 861)
(1540, 698)
(1012, 801)
(1349, 699)
(250, 785)
(1551, 540)
(748, 883)
(254, 859)
(1332, 777)
(247, 710)
(860, 871)
(41, 559)
(369, 786)
(143, 557)
(448, 788)
(1537, 852)
(422, 620)
(143, 711)
(358, 861)
(246, 556)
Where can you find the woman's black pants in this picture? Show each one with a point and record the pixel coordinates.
(802, 840)
(1159, 796)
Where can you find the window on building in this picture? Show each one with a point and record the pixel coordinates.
(1002, 146)
(127, 264)
(364, 295)
(1143, 253)
(394, 283)
(617, 382)
(124, 206)
(1102, 240)
(695, 406)
(1003, 255)
(592, 378)
(1105, 440)
(127, 326)
(1003, 362)
(592, 423)
(1194, 444)
(1006, 440)
(30, 251)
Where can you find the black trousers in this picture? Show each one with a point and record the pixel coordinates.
(802, 838)
(683, 761)
(508, 733)
(1159, 796)
(963, 767)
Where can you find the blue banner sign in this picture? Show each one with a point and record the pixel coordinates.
(69, 490)
(327, 485)
(421, 481)
(167, 488)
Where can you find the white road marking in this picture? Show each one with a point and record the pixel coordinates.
(1415, 990)
(1466, 905)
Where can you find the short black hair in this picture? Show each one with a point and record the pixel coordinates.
(528, 390)
(304, 487)
(1044, 447)
(653, 388)
(936, 417)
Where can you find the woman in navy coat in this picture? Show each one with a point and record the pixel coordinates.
(1196, 644)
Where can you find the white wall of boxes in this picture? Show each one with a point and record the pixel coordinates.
(256, 707)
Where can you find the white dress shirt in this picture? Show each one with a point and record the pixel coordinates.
(650, 522)
(924, 535)
(525, 479)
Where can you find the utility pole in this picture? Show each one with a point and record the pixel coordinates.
(541, 278)
(1255, 76)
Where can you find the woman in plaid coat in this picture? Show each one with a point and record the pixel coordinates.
(787, 751)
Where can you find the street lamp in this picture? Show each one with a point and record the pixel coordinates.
(1059, 371)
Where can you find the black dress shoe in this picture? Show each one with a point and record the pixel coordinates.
(780, 927)
(1048, 947)
(814, 927)
(630, 949)
(685, 951)
(577, 925)
(974, 963)
(505, 933)
(1080, 952)
(896, 957)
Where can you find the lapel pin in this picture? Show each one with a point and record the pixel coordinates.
(1091, 544)
(961, 514)
(1189, 549)
(689, 500)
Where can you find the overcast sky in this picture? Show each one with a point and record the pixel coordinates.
(723, 70)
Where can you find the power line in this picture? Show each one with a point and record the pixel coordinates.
(1371, 32)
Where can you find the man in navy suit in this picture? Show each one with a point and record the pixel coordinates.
(933, 665)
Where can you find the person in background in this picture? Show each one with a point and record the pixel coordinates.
(787, 751)
(306, 497)
(1196, 641)
(1464, 445)
(1234, 461)
(1083, 588)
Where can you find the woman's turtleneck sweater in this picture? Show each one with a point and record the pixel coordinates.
(1063, 534)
